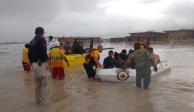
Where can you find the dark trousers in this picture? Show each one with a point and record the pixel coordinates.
(89, 70)
(145, 74)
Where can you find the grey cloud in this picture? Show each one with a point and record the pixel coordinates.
(29, 9)
(180, 9)
(82, 18)
(181, 13)
(20, 17)
(98, 25)
(149, 1)
(82, 5)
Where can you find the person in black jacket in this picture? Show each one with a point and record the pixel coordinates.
(38, 58)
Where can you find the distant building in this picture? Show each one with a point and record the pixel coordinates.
(151, 36)
(118, 39)
(180, 35)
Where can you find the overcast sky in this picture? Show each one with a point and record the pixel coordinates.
(106, 18)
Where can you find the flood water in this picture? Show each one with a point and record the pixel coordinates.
(169, 92)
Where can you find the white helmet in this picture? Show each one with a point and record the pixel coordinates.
(56, 44)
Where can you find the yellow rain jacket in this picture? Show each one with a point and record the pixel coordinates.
(93, 54)
(56, 56)
(25, 58)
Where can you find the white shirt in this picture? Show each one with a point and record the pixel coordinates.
(50, 45)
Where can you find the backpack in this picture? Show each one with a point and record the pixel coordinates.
(90, 59)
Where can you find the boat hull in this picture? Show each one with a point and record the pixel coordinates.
(124, 75)
(75, 59)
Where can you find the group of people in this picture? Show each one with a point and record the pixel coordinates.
(142, 58)
(76, 48)
(38, 59)
(118, 60)
(115, 59)
(55, 55)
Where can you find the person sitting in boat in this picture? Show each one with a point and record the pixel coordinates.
(121, 61)
(57, 56)
(75, 43)
(154, 56)
(124, 53)
(81, 48)
(131, 51)
(25, 60)
(116, 58)
(147, 44)
(74, 46)
(92, 60)
(109, 62)
(67, 47)
(77, 48)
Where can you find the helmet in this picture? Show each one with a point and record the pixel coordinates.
(55, 44)
(39, 30)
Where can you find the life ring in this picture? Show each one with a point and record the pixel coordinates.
(122, 75)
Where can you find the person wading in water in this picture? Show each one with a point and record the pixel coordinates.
(38, 58)
(143, 63)
(92, 60)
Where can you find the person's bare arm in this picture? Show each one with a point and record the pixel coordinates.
(152, 62)
(49, 57)
(66, 60)
(98, 63)
(64, 57)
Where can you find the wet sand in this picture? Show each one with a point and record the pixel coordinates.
(169, 92)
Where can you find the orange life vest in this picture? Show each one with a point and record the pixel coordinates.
(90, 60)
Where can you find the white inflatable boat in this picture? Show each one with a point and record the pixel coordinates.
(124, 75)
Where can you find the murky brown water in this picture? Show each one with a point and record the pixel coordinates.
(169, 92)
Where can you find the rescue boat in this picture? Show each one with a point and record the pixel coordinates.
(124, 75)
(78, 59)
(75, 59)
